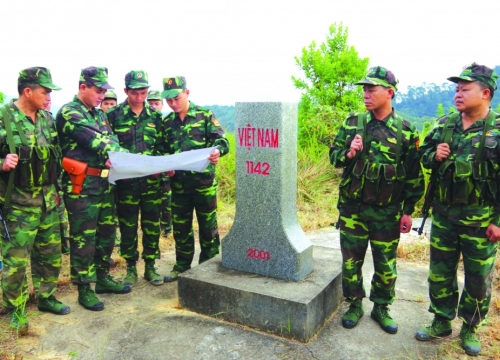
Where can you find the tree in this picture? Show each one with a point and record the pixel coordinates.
(1, 97)
(440, 110)
(329, 94)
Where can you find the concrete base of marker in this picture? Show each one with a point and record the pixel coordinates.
(295, 310)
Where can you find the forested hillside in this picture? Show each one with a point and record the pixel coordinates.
(418, 105)
(225, 115)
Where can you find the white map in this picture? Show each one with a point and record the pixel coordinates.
(126, 166)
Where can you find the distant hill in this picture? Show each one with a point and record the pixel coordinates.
(422, 101)
(225, 115)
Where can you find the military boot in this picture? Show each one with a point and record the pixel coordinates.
(171, 276)
(109, 285)
(470, 341)
(380, 314)
(353, 314)
(439, 327)
(87, 298)
(131, 276)
(51, 304)
(19, 321)
(151, 275)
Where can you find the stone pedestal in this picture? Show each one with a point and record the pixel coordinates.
(266, 237)
(294, 310)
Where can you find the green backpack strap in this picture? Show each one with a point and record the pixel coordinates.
(7, 117)
(488, 123)
(361, 130)
(399, 138)
(448, 128)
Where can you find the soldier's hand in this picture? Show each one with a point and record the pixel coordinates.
(356, 145)
(108, 164)
(405, 224)
(442, 152)
(493, 233)
(214, 156)
(10, 162)
(170, 173)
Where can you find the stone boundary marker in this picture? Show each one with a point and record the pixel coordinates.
(267, 278)
(266, 237)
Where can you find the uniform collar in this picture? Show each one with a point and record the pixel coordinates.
(388, 121)
(19, 114)
(192, 109)
(126, 106)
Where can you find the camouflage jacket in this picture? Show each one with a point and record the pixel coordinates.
(200, 129)
(43, 132)
(380, 146)
(86, 136)
(463, 147)
(141, 134)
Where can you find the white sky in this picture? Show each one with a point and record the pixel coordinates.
(238, 50)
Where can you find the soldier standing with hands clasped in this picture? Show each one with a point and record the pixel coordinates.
(381, 183)
(464, 148)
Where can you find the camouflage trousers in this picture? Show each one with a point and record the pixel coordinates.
(447, 242)
(204, 202)
(166, 204)
(92, 235)
(383, 236)
(63, 219)
(131, 202)
(35, 237)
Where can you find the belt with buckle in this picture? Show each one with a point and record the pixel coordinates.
(98, 172)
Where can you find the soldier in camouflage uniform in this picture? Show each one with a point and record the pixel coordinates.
(61, 212)
(381, 183)
(139, 128)
(466, 207)
(110, 100)
(191, 127)
(30, 204)
(85, 136)
(156, 101)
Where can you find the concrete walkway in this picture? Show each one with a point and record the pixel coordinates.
(147, 324)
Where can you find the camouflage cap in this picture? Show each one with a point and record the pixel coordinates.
(379, 75)
(173, 86)
(154, 95)
(97, 76)
(37, 75)
(110, 94)
(476, 72)
(136, 79)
